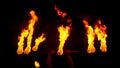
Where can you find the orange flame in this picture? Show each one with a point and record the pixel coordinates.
(24, 34)
(60, 13)
(38, 41)
(37, 65)
(28, 32)
(31, 29)
(64, 33)
(91, 37)
(100, 31)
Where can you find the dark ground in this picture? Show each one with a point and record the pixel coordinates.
(15, 17)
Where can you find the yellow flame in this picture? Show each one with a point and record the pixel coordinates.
(27, 33)
(64, 33)
(24, 34)
(32, 21)
(60, 13)
(100, 31)
(91, 37)
(36, 63)
(38, 41)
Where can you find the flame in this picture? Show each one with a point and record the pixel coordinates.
(27, 33)
(24, 34)
(38, 41)
(64, 33)
(32, 21)
(60, 13)
(37, 65)
(91, 37)
(100, 31)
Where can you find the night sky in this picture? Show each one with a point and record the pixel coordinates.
(16, 16)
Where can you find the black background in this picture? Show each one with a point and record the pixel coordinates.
(15, 15)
